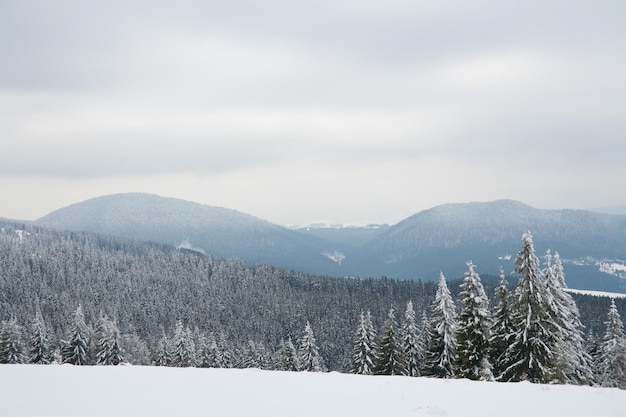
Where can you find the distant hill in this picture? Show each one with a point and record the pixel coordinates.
(611, 210)
(489, 234)
(214, 230)
(592, 245)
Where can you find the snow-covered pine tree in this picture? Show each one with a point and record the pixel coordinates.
(288, 357)
(184, 354)
(109, 351)
(11, 345)
(531, 354)
(502, 332)
(440, 354)
(76, 349)
(390, 358)
(423, 339)
(308, 353)
(364, 350)
(162, 355)
(612, 360)
(593, 347)
(224, 355)
(473, 332)
(209, 352)
(575, 364)
(39, 349)
(250, 357)
(413, 351)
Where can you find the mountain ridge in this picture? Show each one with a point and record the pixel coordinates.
(442, 238)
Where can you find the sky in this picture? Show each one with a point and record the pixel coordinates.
(297, 112)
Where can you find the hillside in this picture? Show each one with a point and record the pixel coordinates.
(148, 287)
(444, 237)
(592, 245)
(214, 230)
(137, 391)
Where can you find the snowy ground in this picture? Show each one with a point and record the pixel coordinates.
(66, 390)
(597, 293)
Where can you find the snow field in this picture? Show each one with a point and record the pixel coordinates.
(67, 390)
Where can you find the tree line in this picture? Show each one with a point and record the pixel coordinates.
(533, 334)
(147, 302)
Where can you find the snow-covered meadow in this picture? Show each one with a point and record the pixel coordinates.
(67, 390)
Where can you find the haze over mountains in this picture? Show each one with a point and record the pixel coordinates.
(592, 245)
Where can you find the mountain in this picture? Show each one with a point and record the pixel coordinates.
(445, 237)
(592, 245)
(215, 230)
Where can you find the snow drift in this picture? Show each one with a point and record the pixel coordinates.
(66, 390)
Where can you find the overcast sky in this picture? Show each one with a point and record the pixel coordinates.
(349, 111)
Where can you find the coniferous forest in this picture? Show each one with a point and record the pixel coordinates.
(87, 299)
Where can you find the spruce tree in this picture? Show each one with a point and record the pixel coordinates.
(423, 340)
(612, 358)
(413, 351)
(11, 345)
(288, 357)
(364, 350)
(209, 356)
(473, 330)
(250, 357)
(308, 353)
(390, 359)
(224, 355)
(502, 332)
(109, 351)
(184, 354)
(76, 349)
(533, 352)
(440, 354)
(574, 363)
(39, 349)
(162, 355)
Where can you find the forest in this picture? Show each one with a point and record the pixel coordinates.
(83, 298)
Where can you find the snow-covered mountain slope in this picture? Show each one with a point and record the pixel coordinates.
(214, 230)
(489, 234)
(99, 391)
(592, 245)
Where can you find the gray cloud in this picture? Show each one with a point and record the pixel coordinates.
(211, 88)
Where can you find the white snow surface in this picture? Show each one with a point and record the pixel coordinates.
(597, 293)
(66, 390)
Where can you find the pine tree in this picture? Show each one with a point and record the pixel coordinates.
(224, 355)
(76, 349)
(574, 363)
(11, 345)
(502, 332)
(390, 358)
(308, 354)
(440, 354)
(532, 354)
(251, 356)
(413, 351)
(593, 347)
(473, 330)
(162, 355)
(423, 340)
(612, 360)
(209, 356)
(364, 350)
(184, 354)
(288, 357)
(39, 349)
(108, 343)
